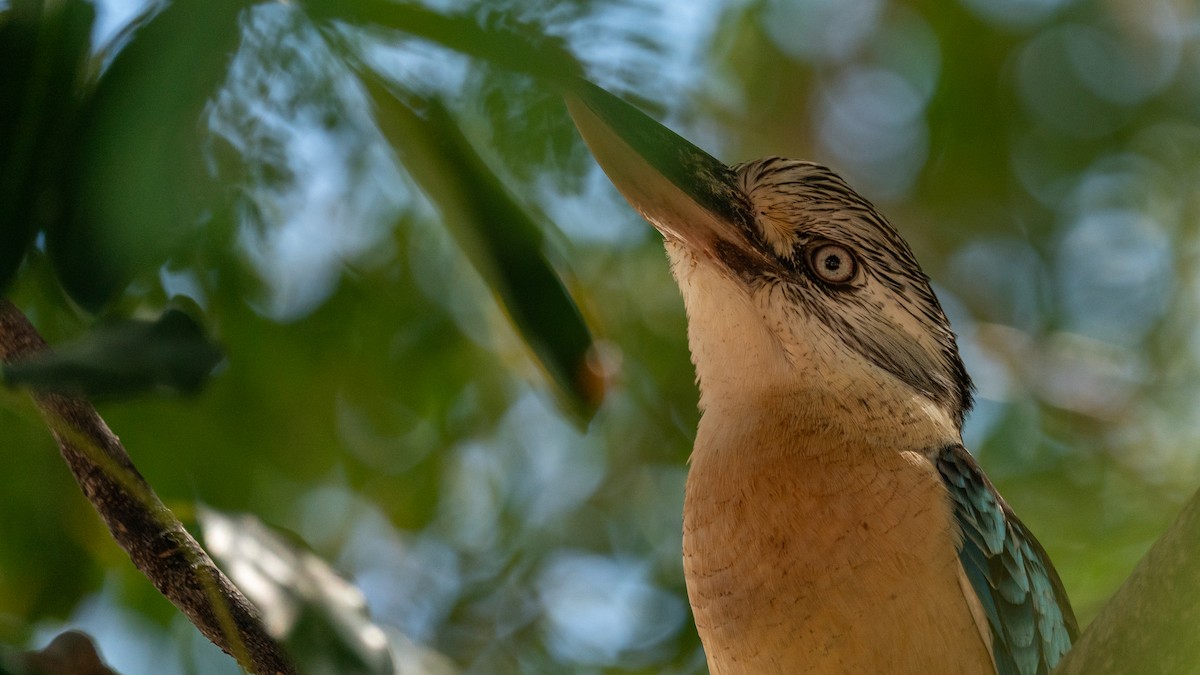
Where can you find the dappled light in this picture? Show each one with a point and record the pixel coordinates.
(391, 229)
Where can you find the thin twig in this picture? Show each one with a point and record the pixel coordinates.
(155, 540)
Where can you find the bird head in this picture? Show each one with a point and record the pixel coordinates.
(796, 288)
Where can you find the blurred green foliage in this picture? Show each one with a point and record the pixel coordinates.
(380, 401)
(117, 358)
(43, 51)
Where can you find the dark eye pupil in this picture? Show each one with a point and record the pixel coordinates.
(833, 263)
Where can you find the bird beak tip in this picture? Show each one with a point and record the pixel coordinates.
(674, 184)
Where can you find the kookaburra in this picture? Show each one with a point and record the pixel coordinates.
(833, 521)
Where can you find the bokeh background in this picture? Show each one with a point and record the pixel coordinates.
(1042, 157)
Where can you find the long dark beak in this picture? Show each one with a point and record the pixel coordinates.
(683, 191)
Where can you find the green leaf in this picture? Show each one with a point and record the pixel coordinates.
(125, 358)
(137, 187)
(498, 235)
(492, 36)
(43, 56)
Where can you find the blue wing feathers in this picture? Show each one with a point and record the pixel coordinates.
(1027, 609)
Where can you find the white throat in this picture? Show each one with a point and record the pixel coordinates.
(749, 355)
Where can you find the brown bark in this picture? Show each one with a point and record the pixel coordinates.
(1152, 624)
(155, 540)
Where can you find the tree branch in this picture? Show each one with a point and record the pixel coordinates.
(1149, 626)
(155, 540)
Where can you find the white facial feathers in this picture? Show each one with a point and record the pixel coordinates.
(843, 301)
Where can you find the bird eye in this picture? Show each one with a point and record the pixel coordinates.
(833, 263)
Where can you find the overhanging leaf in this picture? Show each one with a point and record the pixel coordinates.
(43, 53)
(125, 358)
(137, 184)
(498, 235)
(492, 36)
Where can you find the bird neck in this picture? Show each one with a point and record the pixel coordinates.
(816, 420)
